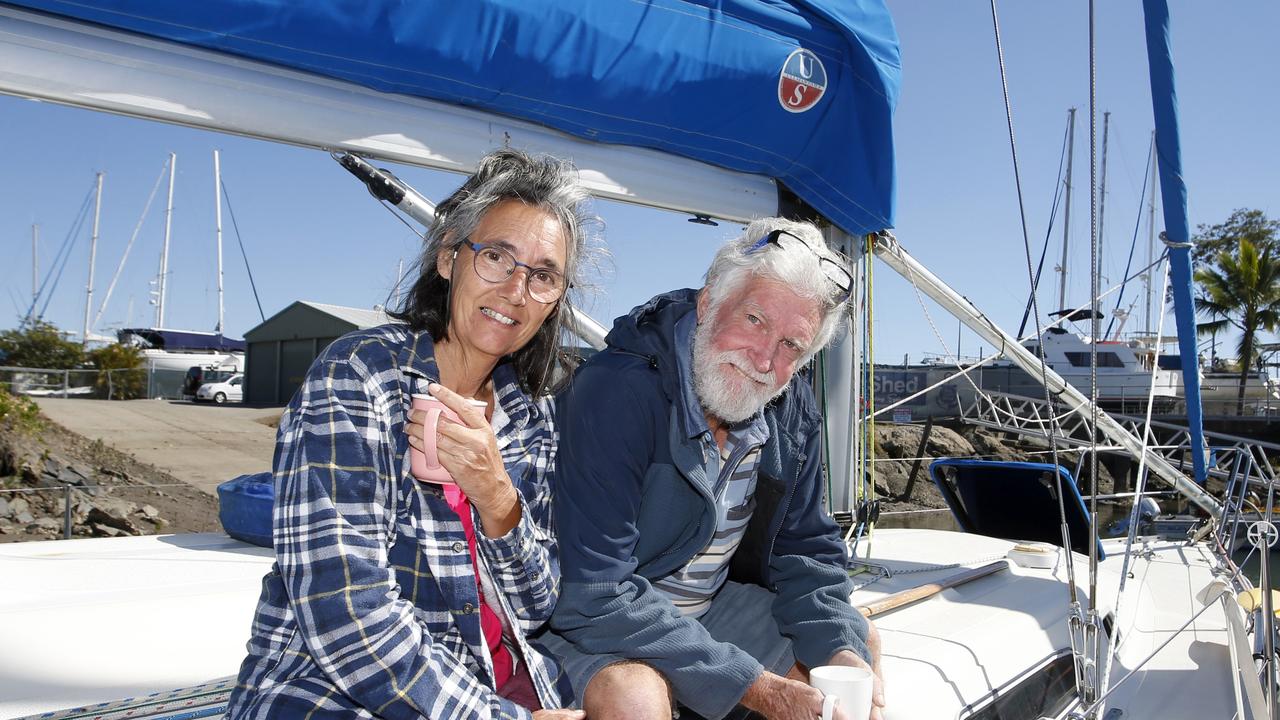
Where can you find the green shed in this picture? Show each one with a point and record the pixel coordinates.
(282, 348)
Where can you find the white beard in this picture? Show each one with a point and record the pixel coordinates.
(732, 399)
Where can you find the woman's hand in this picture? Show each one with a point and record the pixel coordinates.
(469, 451)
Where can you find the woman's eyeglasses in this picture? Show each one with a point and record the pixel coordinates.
(834, 271)
(496, 264)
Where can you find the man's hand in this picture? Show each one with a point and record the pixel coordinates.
(848, 657)
(779, 698)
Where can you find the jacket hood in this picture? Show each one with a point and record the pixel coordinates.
(649, 328)
(649, 332)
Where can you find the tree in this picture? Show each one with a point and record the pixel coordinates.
(1241, 289)
(40, 345)
(120, 374)
(1244, 224)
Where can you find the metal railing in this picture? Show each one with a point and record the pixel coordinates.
(89, 383)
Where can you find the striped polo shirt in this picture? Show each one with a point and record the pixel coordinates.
(693, 587)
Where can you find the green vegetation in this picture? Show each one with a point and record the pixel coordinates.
(19, 413)
(40, 345)
(120, 373)
(1244, 224)
(1240, 287)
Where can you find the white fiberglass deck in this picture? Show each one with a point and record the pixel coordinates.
(953, 650)
(85, 621)
(91, 620)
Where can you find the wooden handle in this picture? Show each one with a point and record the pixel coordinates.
(920, 592)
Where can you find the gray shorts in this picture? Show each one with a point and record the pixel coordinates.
(739, 615)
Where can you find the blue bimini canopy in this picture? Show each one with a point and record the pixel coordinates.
(802, 91)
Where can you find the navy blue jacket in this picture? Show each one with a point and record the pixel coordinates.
(633, 503)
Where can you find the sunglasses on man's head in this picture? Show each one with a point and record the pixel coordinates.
(833, 270)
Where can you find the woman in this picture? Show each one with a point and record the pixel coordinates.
(401, 599)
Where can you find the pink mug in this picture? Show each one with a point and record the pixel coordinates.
(425, 464)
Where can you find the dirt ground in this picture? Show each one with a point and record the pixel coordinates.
(164, 485)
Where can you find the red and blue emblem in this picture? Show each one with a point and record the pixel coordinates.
(802, 82)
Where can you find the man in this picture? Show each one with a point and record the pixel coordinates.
(698, 563)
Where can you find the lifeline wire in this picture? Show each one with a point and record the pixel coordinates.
(1147, 437)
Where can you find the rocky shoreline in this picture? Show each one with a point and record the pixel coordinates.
(111, 493)
(115, 494)
(903, 453)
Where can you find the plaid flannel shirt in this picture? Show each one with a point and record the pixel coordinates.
(372, 607)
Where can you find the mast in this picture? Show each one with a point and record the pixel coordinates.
(1151, 238)
(1066, 213)
(217, 204)
(162, 282)
(93, 252)
(1102, 190)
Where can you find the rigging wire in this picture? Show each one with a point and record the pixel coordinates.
(993, 356)
(1137, 225)
(58, 258)
(1093, 299)
(1053, 213)
(136, 229)
(1026, 245)
(236, 226)
(69, 244)
(1147, 437)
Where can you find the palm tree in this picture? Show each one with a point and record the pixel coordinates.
(1242, 291)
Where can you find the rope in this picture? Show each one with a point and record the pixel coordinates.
(871, 391)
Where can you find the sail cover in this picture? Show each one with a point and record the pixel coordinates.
(799, 91)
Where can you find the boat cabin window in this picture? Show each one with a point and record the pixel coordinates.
(1170, 362)
(1044, 692)
(1105, 359)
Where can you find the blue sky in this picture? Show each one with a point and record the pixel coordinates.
(311, 232)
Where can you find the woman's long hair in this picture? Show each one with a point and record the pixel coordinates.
(540, 181)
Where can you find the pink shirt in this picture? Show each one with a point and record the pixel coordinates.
(490, 624)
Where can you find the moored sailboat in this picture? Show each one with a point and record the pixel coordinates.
(977, 648)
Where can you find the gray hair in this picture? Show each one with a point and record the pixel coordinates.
(544, 182)
(732, 267)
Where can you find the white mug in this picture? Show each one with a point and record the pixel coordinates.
(846, 687)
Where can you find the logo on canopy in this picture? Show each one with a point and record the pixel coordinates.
(802, 82)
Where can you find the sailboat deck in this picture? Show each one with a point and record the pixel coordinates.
(104, 619)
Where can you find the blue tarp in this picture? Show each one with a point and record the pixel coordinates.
(245, 505)
(799, 91)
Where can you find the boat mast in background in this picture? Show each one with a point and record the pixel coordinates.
(93, 252)
(164, 252)
(217, 205)
(1102, 191)
(1066, 212)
